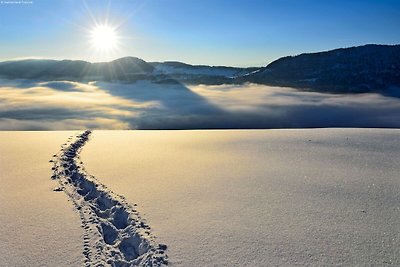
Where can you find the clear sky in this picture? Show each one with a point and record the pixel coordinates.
(215, 32)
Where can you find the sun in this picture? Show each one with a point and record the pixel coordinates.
(104, 38)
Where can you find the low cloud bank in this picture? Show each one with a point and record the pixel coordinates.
(258, 106)
(65, 105)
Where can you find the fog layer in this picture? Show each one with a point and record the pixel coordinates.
(65, 105)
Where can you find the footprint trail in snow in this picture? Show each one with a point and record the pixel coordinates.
(114, 232)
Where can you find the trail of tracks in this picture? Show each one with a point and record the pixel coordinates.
(115, 234)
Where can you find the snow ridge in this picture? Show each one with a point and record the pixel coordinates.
(115, 234)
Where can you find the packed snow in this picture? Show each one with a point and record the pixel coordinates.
(115, 234)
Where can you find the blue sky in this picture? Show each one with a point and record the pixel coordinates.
(215, 32)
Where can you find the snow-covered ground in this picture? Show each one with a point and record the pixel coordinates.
(38, 226)
(260, 198)
(215, 198)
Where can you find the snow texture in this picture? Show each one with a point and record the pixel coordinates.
(38, 227)
(115, 234)
(318, 197)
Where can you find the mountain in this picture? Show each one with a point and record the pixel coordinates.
(124, 69)
(38, 68)
(179, 68)
(127, 69)
(368, 68)
(198, 74)
(365, 68)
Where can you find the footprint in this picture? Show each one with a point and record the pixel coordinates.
(115, 234)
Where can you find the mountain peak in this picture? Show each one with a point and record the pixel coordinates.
(128, 59)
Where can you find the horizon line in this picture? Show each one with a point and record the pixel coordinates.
(166, 61)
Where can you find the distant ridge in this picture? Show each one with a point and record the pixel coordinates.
(368, 68)
(120, 69)
(356, 69)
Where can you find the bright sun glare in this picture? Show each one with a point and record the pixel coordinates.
(104, 38)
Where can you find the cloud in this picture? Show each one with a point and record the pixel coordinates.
(259, 106)
(65, 105)
(66, 124)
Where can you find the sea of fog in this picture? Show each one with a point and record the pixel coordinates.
(65, 105)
